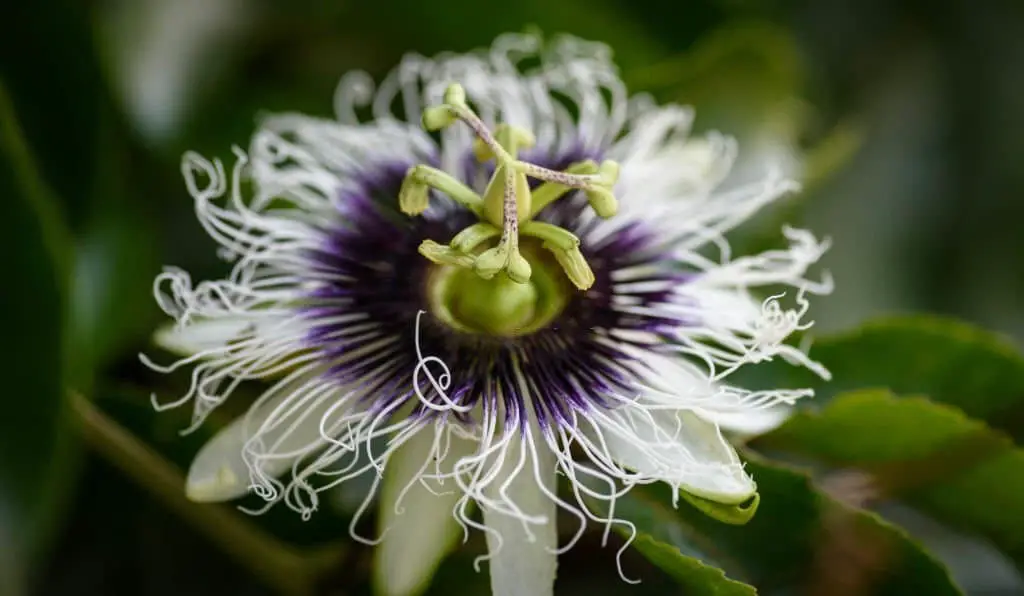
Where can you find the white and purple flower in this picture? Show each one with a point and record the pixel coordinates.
(464, 344)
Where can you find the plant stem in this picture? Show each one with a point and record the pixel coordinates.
(290, 571)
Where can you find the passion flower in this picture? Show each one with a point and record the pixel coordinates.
(496, 269)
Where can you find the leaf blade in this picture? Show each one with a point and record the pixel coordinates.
(951, 362)
(954, 468)
(34, 442)
(801, 538)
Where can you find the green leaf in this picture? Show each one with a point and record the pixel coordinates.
(34, 442)
(95, 170)
(672, 547)
(952, 467)
(694, 576)
(729, 514)
(802, 539)
(951, 362)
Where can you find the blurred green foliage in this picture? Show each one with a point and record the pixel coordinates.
(802, 539)
(930, 454)
(953, 363)
(903, 118)
(33, 440)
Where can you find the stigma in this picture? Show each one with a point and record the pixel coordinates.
(506, 211)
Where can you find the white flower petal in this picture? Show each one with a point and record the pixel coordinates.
(522, 554)
(722, 309)
(750, 423)
(666, 173)
(202, 336)
(218, 473)
(675, 378)
(674, 383)
(680, 448)
(423, 529)
(287, 418)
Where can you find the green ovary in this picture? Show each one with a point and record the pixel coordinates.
(498, 306)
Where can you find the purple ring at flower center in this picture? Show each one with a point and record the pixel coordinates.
(364, 316)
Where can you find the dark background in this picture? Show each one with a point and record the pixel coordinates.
(905, 118)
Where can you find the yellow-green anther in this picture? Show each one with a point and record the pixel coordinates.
(507, 206)
(444, 255)
(609, 172)
(437, 117)
(565, 246)
(574, 265)
(473, 236)
(601, 197)
(603, 202)
(512, 139)
(455, 95)
(551, 234)
(413, 196)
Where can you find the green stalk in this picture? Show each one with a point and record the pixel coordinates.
(290, 571)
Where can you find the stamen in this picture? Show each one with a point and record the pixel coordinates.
(566, 248)
(507, 199)
(445, 255)
(549, 191)
(473, 236)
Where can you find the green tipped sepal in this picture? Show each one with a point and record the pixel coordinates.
(736, 514)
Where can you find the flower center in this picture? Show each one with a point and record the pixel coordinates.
(507, 207)
(499, 306)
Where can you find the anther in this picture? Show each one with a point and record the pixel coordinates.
(507, 205)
